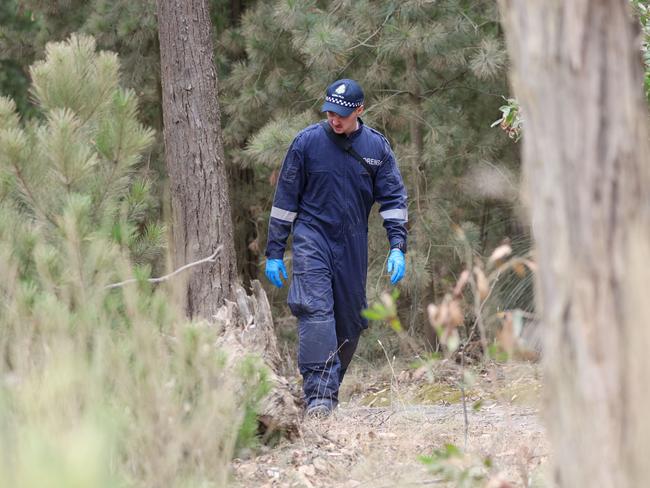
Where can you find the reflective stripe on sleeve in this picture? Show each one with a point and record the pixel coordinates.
(395, 214)
(281, 214)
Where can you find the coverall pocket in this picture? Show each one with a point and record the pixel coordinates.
(365, 185)
(319, 188)
(310, 296)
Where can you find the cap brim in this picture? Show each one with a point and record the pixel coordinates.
(337, 109)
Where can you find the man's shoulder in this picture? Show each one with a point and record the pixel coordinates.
(308, 131)
(379, 140)
(307, 134)
(374, 133)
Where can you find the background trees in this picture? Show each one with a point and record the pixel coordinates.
(434, 78)
(433, 75)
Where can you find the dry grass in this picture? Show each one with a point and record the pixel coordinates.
(375, 437)
(106, 388)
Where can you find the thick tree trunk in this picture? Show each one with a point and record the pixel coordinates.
(201, 209)
(194, 153)
(578, 75)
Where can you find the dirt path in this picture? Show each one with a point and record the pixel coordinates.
(379, 446)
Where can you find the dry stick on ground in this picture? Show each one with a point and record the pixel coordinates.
(210, 259)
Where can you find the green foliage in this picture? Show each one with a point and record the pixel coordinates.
(256, 385)
(385, 310)
(455, 467)
(89, 142)
(100, 386)
(510, 120)
(642, 10)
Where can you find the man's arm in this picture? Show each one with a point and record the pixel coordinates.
(285, 202)
(390, 193)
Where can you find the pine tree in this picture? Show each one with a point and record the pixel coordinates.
(88, 145)
(102, 385)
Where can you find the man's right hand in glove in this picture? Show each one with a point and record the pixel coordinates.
(275, 268)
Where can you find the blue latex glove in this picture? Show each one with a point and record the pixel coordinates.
(396, 266)
(275, 268)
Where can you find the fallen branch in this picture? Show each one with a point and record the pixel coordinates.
(212, 258)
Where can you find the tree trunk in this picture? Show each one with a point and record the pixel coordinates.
(415, 129)
(235, 11)
(201, 209)
(578, 75)
(194, 153)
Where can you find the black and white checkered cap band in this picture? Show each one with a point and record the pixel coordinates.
(338, 101)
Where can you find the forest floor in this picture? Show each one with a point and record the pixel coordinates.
(391, 416)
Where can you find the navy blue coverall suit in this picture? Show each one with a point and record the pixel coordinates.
(325, 195)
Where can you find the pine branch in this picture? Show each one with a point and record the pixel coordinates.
(212, 258)
(365, 42)
(30, 195)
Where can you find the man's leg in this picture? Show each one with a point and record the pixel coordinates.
(311, 301)
(347, 347)
(349, 291)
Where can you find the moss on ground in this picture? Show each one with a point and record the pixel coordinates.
(525, 394)
(435, 393)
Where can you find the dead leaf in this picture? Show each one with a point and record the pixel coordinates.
(499, 253)
(443, 314)
(273, 177)
(506, 336)
(520, 269)
(254, 246)
(419, 373)
(481, 283)
(456, 315)
(307, 470)
(432, 311)
(532, 265)
(460, 284)
(320, 464)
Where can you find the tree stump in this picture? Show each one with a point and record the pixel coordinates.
(248, 329)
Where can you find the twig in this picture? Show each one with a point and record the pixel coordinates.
(211, 259)
(464, 398)
(392, 371)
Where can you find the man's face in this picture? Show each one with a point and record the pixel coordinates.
(344, 125)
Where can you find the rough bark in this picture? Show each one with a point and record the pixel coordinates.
(577, 73)
(194, 153)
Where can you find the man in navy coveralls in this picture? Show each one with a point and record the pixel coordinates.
(324, 195)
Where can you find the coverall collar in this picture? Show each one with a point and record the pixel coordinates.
(356, 133)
